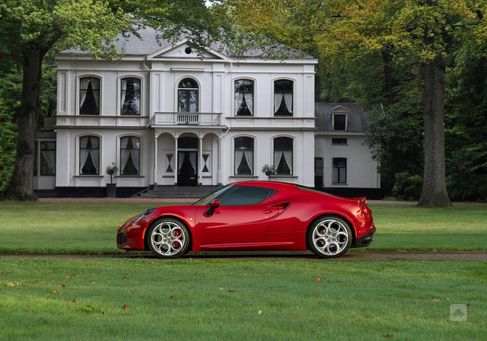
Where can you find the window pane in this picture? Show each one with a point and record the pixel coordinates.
(283, 97)
(48, 158)
(188, 100)
(89, 155)
(244, 97)
(339, 171)
(130, 155)
(89, 96)
(244, 155)
(244, 196)
(188, 83)
(283, 155)
(130, 96)
(283, 85)
(338, 141)
(339, 122)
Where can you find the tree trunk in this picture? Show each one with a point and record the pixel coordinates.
(20, 187)
(389, 81)
(434, 192)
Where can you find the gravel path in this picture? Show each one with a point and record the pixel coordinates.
(357, 256)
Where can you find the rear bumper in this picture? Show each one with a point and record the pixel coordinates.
(365, 240)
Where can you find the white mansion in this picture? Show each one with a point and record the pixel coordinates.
(166, 114)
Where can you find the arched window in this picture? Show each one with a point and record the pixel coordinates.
(244, 97)
(130, 155)
(244, 155)
(283, 155)
(188, 93)
(89, 96)
(89, 155)
(130, 96)
(283, 97)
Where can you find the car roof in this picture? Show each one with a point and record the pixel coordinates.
(276, 185)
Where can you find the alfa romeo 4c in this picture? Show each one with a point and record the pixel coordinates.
(253, 216)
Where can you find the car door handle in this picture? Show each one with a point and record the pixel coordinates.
(280, 206)
(267, 211)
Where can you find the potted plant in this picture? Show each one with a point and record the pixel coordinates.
(111, 187)
(269, 170)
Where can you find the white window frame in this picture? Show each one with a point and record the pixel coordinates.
(119, 156)
(100, 151)
(78, 89)
(176, 95)
(346, 120)
(119, 94)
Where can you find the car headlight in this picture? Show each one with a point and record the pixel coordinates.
(149, 211)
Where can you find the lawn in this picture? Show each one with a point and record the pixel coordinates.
(240, 299)
(75, 227)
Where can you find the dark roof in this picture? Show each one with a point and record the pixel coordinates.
(357, 116)
(149, 41)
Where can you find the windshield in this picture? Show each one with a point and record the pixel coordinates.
(210, 197)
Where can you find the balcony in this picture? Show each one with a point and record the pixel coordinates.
(185, 118)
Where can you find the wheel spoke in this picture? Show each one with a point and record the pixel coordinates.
(330, 237)
(168, 238)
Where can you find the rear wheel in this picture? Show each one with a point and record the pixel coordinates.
(329, 237)
(168, 238)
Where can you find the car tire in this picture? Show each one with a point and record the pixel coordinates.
(168, 238)
(329, 237)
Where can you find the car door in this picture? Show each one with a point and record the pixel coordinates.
(240, 220)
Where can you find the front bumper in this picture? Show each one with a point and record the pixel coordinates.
(131, 236)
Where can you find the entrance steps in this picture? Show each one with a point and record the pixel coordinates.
(177, 191)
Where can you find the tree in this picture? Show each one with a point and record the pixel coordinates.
(421, 33)
(28, 31)
(31, 29)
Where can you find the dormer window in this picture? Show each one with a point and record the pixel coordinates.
(188, 95)
(130, 96)
(339, 121)
(244, 97)
(89, 96)
(283, 97)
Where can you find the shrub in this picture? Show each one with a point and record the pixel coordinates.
(407, 186)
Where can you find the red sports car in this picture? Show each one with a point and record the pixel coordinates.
(253, 215)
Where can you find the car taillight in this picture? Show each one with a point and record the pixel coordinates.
(362, 203)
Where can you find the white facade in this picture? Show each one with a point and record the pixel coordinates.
(203, 138)
(167, 115)
(361, 169)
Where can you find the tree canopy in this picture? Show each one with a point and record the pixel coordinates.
(382, 52)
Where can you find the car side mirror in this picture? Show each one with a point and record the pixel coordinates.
(215, 203)
(212, 207)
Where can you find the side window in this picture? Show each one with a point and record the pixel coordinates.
(89, 96)
(244, 196)
(244, 97)
(130, 96)
(283, 97)
(89, 155)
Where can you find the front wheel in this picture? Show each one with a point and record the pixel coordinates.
(168, 238)
(329, 237)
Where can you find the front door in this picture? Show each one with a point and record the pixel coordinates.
(188, 164)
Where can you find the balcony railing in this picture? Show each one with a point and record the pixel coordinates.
(186, 118)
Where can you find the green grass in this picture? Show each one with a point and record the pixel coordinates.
(406, 227)
(221, 299)
(90, 228)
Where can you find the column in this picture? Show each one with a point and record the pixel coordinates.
(200, 160)
(155, 160)
(176, 162)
